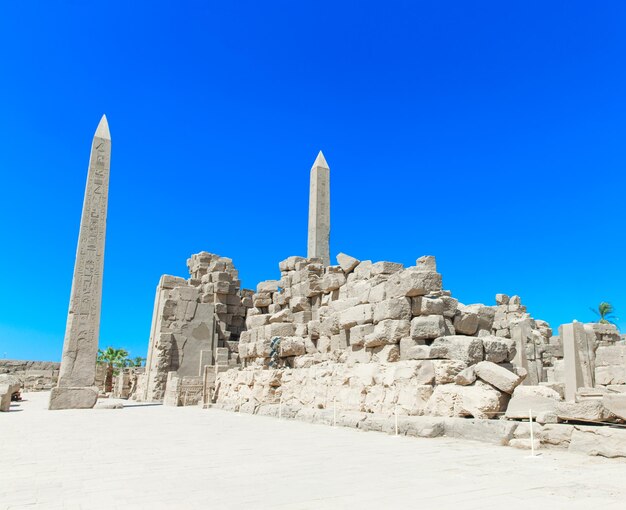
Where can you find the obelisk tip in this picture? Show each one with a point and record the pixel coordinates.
(320, 161)
(103, 129)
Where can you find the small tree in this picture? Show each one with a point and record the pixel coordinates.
(605, 313)
(137, 361)
(114, 360)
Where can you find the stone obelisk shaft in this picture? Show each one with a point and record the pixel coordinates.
(319, 211)
(76, 387)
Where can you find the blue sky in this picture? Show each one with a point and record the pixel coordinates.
(490, 134)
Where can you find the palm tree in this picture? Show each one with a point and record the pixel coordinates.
(137, 361)
(114, 360)
(606, 313)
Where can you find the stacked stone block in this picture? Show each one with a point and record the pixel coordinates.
(195, 321)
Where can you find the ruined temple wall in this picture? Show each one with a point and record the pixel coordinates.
(34, 375)
(191, 320)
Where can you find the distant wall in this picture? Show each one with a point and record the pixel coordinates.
(35, 375)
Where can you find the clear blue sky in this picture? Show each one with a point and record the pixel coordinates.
(490, 134)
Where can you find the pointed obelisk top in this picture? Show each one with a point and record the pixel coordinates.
(320, 161)
(103, 129)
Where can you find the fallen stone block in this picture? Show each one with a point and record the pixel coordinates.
(388, 331)
(447, 370)
(477, 401)
(347, 263)
(426, 305)
(615, 404)
(465, 323)
(497, 376)
(587, 411)
(466, 377)
(600, 441)
(468, 349)
(498, 349)
(397, 309)
(499, 432)
(413, 349)
(411, 283)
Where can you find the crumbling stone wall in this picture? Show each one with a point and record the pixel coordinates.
(34, 375)
(192, 319)
(374, 337)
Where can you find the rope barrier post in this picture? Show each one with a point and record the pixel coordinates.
(280, 407)
(334, 412)
(532, 437)
(396, 418)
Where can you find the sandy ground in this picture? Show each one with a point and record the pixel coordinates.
(156, 457)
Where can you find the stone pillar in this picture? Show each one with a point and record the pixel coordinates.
(76, 388)
(576, 359)
(319, 211)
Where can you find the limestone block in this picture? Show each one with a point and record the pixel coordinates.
(468, 349)
(282, 316)
(466, 377)
(413, 349)
(377, 293)
(412, 400)
(397, 308)
(73, 398)
(386, 268)
(292, 346)
(314, 329)
(388, 331)
(358, 333)
(299, 304)
(268, 286)
(347, 263)
(615, 404)
(610, 364)
(605, 442)
(477, 401)
(385, 353)
(363, 270)
(450, 306)
(486, 316)
(558, 435)
(447, 370)
(358, 354)
(279, 329)
(411, 283)
(498, 349)
(289, 264)
(465, 322)
(256, 321)
(426, 263)
(497, 376)
(329, 326)
(502, 299)
(357, 315)
(5, 398)
(426, 305)
(427, 327)
(222, 287)
(587, 410)
(332, 282)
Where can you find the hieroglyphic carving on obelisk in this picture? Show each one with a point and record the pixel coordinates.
(319, 211)
(76, 387)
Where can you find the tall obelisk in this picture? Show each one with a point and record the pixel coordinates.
(76, 388)
(319, 211)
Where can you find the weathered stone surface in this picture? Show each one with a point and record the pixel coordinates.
(427, 328)
(412, 349)
(73, 398)
(347, 262)
(80, 346)
(411, 283)
(447, 370)
(319, 211)
(388, 331)
(497, 376)
(426, 263)
(498, 349)
(426, 305)
(588, 410)
(604, 441)
(537, 399)
(398, 309)
(610, 364)
(466, 377)
(356, 315)
(478, 401)
(468, 349)
(465, 322)
(615, 404)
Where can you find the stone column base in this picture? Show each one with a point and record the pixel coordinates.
(73, 398)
